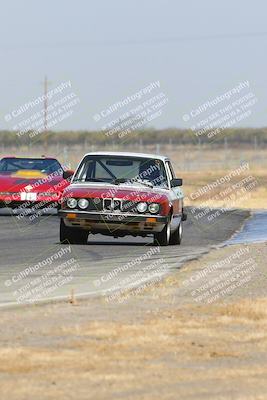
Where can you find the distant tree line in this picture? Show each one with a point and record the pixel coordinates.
(256, 136)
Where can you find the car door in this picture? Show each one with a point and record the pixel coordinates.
(177, 194)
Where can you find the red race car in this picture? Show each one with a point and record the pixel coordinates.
(120, 194)
(31, 182)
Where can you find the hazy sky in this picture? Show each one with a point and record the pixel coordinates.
(110, 49)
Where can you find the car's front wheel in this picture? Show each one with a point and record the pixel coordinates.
(176, 236)
(72, 235)
(163, 238)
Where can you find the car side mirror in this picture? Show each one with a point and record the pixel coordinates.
(68, 174)
(176, 182)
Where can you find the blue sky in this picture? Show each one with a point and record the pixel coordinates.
(112, 49)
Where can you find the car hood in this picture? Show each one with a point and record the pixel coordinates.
(122, 191)
(16, 182)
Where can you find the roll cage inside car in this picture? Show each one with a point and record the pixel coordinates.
(118, 169)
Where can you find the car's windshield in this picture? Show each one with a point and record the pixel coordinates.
(119, 169)
(46, 166)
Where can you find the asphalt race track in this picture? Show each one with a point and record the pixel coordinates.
(35, 266)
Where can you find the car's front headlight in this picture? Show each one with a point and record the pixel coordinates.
(153, 208)
(141, 207)
(83, 203)
(71, 203)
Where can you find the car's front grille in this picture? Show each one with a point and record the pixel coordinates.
(107, 205)
(112, 205)
(95, 205)
(119, 205)
(129, 206)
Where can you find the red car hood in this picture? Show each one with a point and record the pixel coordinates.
(131, 192)
(18, 182)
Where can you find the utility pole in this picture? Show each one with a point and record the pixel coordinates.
(45, 113)
(45, 104)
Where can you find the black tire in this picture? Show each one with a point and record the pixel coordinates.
(72, 235)
(176, 236)
(163, 238)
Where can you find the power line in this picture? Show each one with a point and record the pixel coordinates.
(156, 41)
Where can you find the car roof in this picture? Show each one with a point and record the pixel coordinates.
(28, 158)
(126, 154)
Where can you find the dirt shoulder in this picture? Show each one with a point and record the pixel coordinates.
(166, 342)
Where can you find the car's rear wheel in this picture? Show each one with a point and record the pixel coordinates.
(176, 236)
(163, 238)
(72, 235)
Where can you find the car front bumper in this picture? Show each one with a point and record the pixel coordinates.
(16, 202)
(113, 222)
